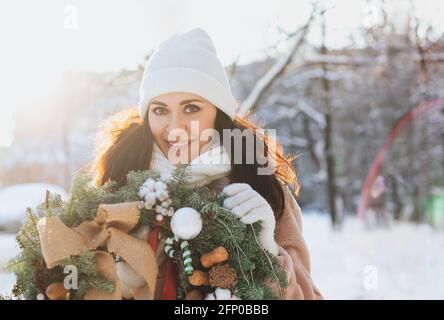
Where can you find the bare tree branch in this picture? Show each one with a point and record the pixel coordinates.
(263, 83)
(304, 107)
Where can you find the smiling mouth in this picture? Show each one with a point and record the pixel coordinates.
(180, 144)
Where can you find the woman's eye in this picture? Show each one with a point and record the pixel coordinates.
(160, 110)
(192, 108)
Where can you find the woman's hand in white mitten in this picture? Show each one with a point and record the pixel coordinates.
(248, 205)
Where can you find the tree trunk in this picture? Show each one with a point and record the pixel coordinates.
(328, 135)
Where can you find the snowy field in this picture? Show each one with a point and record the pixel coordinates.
(403, 261)
(8, 249)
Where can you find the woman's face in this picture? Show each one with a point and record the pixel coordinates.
(177, 120)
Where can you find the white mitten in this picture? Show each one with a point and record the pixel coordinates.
(248, 205)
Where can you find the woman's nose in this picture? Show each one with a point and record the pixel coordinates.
(176, 124)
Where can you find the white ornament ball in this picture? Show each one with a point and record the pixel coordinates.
(210, 296)
(186, 223)
(223, 294)
(220, 294)
(159, 217)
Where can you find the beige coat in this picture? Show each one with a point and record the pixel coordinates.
(293, 253)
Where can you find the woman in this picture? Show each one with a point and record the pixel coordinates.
(185, 94)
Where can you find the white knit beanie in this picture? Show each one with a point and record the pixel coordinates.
(187, 62)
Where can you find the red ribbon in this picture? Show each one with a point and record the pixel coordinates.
(169, 282)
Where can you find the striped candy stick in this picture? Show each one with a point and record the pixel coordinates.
(186, 255)
(169, 250)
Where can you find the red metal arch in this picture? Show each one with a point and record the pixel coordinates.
(376, 165)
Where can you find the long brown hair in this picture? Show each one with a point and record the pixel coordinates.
(125, 143)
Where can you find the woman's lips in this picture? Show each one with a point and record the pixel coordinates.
(178, 144)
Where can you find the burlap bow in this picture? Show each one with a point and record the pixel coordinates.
(110, 228)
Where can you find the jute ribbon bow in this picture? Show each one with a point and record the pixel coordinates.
(109, 229)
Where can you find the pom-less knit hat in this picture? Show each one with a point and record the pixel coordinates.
(187, 62)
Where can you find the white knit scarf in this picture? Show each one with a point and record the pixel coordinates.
(211, 164)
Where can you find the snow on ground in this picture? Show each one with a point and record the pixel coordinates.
(15, 199)
(403, 261)
(8, 250)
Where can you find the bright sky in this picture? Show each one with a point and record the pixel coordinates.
(41, 39)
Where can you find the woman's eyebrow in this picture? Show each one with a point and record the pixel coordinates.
(182, 103)
(189, 100)
(159, 103)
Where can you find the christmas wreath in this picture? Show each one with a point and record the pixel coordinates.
(75, 249)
